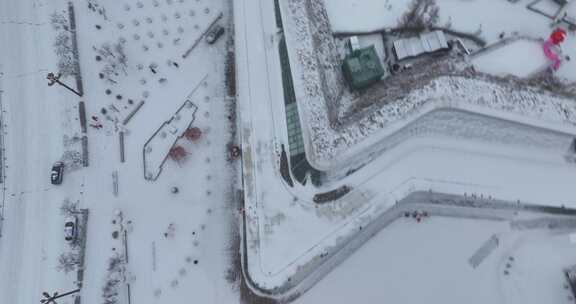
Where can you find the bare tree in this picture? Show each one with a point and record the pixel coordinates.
(59, 21)
(421, 14)
(115, 263)
(478, 32)
(110, 289)
(92, 4)
(114, 58)
(67, 65)
(68, 262)
(121, 55)
(72, 159)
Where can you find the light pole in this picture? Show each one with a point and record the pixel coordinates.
(52, 298)
(52, 79)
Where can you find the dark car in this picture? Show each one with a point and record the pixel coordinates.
(214, 34)
(70, 228)
(57, 173)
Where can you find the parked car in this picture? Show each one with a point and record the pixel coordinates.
(214, 33)
(57, 173)
(71, 228)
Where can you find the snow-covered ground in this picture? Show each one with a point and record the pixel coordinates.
(33, 123)
(177, 243)
(172, 235)
(412, 262)
(290, 239)
(521, 58)
(328, 147)
(506, 18)
(156, 150)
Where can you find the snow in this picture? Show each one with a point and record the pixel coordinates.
(435, 147)
(422, 44)
(328, 147)
(466, 16)
(38, 118)
(28, 253)
(572, 238)
(539, 260)
(376, 41)
(157, 148)
(407, 169)
(521, 58)
(426, 262)
(455, 135)
(333, 148)
(163, 267)
(373, 14)
(506, 18)
(415, 263)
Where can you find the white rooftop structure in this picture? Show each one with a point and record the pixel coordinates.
(354, 43)
(424, 43)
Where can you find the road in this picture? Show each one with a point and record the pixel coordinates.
(33, 141)
(442, 163)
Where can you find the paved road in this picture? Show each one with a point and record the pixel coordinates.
(30, 241)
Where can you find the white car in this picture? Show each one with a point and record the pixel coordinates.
(71, 228)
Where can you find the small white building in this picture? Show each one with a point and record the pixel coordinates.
(424, 43)
(353, 44)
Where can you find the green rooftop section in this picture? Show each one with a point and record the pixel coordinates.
(362, 68)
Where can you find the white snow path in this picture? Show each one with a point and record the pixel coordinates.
(32, 235)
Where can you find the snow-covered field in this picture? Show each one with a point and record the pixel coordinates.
(176, 241)
(328, 147)
(177, 246)
(412, 262)
(169, 236)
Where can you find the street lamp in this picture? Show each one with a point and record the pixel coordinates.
(52, 79)
(52, 298)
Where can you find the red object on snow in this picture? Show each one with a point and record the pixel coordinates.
(177, 153)
(193, 134)
(558, 36)
(552, 54)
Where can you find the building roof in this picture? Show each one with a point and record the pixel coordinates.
(363, 68)
(424, 43)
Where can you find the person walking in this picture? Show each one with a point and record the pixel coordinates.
(552, 48)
